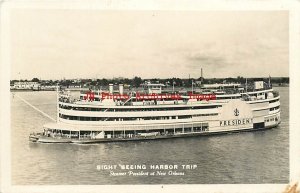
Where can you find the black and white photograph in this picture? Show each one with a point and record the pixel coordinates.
(148, 97)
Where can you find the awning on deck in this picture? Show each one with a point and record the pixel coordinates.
(71, 127)
(61, 126)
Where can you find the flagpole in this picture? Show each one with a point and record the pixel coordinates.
(192, 87)
(173, 86)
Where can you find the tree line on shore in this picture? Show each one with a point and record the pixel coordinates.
(137, 81)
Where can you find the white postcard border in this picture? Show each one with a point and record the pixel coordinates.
(294, 30)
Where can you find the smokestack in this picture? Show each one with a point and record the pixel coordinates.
(111, 88)
(121, 88)
(201, 73)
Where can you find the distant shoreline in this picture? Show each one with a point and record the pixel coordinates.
(83, 89)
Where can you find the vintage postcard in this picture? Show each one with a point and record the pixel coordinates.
(149, 96)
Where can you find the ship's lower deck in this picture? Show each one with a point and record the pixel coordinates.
(83, 136)
(40, 138)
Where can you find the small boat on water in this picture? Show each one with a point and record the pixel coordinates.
(107, 116)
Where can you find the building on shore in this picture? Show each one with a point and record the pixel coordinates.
(25, 85)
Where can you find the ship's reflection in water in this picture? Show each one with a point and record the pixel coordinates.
(251, 157)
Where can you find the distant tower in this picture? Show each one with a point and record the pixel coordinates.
(201, 78)
(201, 74)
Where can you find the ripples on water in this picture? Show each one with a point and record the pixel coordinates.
(251, 157)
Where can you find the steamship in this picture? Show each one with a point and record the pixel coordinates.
(107, 116)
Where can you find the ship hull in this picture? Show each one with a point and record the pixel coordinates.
(46, 139)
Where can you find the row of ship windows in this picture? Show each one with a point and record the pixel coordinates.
(133, 109)
(218, 98)
(272, 119)
(233, 97)
(167, 130)
(273, 101)
(158, 126)
(68, 117)
(275, 108)
(142, 109)
(171, 131)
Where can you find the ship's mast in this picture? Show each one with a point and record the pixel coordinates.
(173, 86)
(246, 85)
(192, 87)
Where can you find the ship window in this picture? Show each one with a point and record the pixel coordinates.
(273, 101)
(205, 124)
(207, 107)
(139, 109)
(184, 117)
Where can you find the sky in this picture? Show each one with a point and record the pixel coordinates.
(56, 44)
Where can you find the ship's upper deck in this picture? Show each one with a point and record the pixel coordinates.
(154, 95)
(165, 100)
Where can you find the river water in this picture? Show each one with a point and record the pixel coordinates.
(244, 158)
